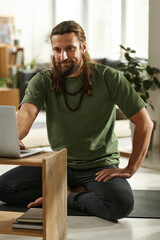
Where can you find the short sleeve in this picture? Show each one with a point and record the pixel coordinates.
(37, 89)
(123, 94)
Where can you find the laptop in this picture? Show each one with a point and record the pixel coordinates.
(9, 142)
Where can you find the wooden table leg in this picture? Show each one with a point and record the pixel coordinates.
(54, 172)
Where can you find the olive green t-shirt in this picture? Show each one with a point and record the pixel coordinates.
(88, 133)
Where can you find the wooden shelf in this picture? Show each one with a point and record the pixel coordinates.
(6, 220)
(10, 96)
(10, 56)
(54, 179)
(14, 65)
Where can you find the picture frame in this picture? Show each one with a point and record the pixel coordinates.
(6, 29)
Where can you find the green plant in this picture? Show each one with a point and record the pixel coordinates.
(142, 77)
(32, 64)
(4, 82)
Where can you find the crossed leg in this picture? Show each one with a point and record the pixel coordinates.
(110, 200)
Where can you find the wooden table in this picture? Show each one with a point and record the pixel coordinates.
(54, 178)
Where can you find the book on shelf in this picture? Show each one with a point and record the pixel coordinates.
(31, 219)
(12, 55)
(12, 58)
(12, 71)
(16, 56)
(27, 225)
(34, 215)
(19, 57)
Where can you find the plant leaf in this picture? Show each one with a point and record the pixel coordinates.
(155, 70)
(156, 81)
(127, 75)
(133, 70)
(127, 57)
(121, 65)
(149, 70)
(144, 96)
(151, 106)
(137, 87)
(137, 80)
(147, 84)
(123, 47)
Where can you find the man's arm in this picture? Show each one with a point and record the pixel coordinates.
(141, 139)
(25, 118)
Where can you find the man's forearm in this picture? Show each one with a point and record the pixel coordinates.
(23, 126)
(25, 119)
(141, 140)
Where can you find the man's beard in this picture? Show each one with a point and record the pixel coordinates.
(68, 69)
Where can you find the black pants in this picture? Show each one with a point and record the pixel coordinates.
(110, 200)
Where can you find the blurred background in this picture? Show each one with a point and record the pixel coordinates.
(25, 28)
(107, 24)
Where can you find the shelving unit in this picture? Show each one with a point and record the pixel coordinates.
(11, 58)
(54, 179)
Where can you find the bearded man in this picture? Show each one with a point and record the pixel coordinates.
(80, 99)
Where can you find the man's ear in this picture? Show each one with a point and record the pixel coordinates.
(84, 47)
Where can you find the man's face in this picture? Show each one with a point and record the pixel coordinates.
(67, 54)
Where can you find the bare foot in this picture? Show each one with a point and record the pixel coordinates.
(68, 190)
(80, 189)
(38, 202)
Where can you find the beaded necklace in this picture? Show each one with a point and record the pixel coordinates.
(65, 93)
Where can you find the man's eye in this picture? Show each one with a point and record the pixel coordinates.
(57, 50)
(70, 48)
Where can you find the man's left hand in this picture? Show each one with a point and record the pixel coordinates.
(107, 174)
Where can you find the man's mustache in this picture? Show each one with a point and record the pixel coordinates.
(65, 61)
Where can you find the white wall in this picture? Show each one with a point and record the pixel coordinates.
(34, 18)
(154, 60)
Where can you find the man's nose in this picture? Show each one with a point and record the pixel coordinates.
(63, 55)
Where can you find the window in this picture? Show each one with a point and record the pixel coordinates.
(137, 16)
(104, 25)
(109, 23)
(69, 10)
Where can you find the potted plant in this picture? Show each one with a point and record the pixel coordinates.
(4, 82)
(17, 33)
(141, 76)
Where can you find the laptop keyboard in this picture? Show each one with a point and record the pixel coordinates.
(24, 151)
